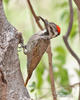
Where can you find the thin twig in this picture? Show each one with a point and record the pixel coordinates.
(63, 86)
(71, 20)
(45, 95)
(73, 85)
(51, 73)
(35, 16)
(49, 54)
(65, 37)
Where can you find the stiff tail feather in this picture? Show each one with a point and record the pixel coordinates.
(25, 84)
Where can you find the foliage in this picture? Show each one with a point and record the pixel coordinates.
(33, 87)
(6, 1)
(78, 72)
(65, 16)
(39, 73)
(22, 19)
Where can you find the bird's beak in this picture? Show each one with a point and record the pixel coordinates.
(45, 21)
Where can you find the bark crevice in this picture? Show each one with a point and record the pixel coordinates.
(9, 62)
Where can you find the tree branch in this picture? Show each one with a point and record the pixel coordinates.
(71, 20)
(66, 36)
(51, 73)
(9, 62)
(34, 15)
(73, 85)
(77, 2)
(49, 54)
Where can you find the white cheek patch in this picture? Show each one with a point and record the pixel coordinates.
(56, 33)
(42, 32)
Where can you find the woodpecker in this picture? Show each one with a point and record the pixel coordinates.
(38, 44)
(52, 29)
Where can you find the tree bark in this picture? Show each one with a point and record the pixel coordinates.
(79, 40)
(11, 81)
(79, 22)
(77, 2)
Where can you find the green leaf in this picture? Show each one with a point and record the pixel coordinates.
(61, 76)
(78, 72)
(62, 5)
(48, 78)
(32, 87)
(60, 73)
(64, 92)
(64, 79)
(60, 58)
(73, 31)
(60, 49)
(6, 1)
(39, 75)
(32, 90)
(64, 15)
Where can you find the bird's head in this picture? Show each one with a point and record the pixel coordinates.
(52, 29)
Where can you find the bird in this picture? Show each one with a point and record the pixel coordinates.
(38, 44)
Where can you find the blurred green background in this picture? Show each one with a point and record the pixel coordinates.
(66, 69)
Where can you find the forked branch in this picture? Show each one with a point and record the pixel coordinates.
(34, 15)
(66, 36)
(77, 2)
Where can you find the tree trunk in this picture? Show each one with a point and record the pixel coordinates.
(79, 22)
(79, 40)
(11, 81)
(77, 2)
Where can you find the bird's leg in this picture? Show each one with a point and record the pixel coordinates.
(25, 50)
(46, 23)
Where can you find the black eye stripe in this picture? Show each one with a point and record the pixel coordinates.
(53, 25)
(51, 29)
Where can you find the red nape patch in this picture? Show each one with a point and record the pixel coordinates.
(58, 28)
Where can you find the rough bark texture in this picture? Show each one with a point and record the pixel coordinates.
(79, 22)
(77, 2)
(11, 81)
(79, 40)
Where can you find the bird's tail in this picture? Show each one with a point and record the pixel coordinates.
(25, 84)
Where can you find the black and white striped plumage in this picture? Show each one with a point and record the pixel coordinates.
(37, 46)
